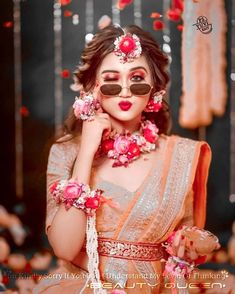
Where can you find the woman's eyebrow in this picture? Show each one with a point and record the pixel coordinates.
(110, 70)
(138, 67)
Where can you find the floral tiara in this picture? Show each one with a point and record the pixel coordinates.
(127, 47)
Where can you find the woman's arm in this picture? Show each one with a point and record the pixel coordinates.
(67, 231)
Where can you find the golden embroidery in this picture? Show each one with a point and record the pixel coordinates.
(130, 250)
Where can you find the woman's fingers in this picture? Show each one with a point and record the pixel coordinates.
(181, 248)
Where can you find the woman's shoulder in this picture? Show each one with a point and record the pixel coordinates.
(66, 145)
(186, 144)
(176, 138)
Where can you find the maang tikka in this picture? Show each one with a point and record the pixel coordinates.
(127, 47)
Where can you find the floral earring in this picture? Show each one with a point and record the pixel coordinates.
(155, 102)
(85, 106)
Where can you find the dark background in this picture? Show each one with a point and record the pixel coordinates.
(38, 97)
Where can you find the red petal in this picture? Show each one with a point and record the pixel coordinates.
(68, 13)
(8, 24)
(158, 25)
(180, 27)
(24, 111)
(174, 14)
(65, 74)
(179, 4)
(121, 4)
(125, 2)
(155, 15)
(64, 2)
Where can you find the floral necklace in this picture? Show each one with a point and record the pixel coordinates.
(126, 147)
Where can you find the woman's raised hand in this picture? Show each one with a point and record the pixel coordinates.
(92, 132)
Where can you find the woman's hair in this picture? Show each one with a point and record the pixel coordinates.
(103, 44)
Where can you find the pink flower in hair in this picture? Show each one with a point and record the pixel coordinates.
(127, 47)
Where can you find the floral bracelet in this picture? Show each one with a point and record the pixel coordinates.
(76, 194)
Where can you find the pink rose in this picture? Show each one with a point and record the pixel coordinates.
(78, 107)
(121, 144)
(93, 202)
(72, 191)
(133, 151)
(127, 45)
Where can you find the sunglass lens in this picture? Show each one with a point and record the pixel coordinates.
(140, 89)
(110, 89)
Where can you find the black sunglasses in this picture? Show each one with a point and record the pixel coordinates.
(115, 89)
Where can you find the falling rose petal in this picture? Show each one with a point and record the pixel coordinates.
(65, 74)
(155, 15)
(179, 4)
(158, 25)
(174, 14)
(104, 21)
(24, 111)
(180, 27)
(64, 2)
(8, 24)
(121, 4)
(68, 13)
(126, 2)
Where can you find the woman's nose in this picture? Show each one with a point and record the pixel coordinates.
(125, 92)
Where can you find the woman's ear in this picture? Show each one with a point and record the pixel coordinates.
(162, 92)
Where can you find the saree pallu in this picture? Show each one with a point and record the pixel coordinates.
(172, 194)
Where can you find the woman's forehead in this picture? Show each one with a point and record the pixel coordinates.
(112, 62)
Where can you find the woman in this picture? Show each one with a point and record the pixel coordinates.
(145, 184)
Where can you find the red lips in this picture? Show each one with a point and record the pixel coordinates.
(125, 105)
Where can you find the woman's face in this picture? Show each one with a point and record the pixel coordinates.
(125, 105)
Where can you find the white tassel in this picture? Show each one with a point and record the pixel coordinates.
(93, 257)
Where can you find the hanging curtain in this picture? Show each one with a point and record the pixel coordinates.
(204, 90)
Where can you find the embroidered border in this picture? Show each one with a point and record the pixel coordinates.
(130, 250)
(176, 188)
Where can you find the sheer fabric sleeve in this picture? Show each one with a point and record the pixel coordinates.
(195, 201)
(188, 218)
(200, 184)
(60, 164)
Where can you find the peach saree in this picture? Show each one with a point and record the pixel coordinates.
(130, 236)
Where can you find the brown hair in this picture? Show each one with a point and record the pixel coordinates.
(103, 44)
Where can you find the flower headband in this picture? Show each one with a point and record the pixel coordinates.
(127, 47)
